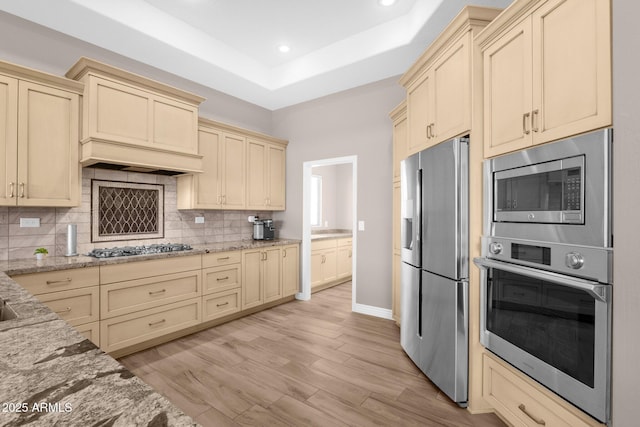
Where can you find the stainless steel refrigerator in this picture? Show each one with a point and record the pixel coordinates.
(435, 264)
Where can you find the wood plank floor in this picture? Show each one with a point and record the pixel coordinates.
(304, 363)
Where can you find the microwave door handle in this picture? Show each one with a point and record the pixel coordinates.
(595, 289)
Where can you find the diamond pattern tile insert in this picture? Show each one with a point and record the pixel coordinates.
(128, 210)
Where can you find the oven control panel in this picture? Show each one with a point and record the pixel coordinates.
(580, 261)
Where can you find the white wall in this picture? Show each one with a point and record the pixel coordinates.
(626, 214)
(351, 123)
(337, 185)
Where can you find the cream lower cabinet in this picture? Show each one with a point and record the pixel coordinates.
(290, 270)
(222, 278)
(324, 262)
(522, 402)
(547, 73)
(148, 299)
(72, 294)
(39, 132)
(222, 184)
(344, 258)
(261, 276)
(265, 175)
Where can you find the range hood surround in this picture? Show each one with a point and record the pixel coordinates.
(132, 121)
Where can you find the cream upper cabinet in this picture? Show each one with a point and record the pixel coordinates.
(132, 120)
(222, 183)
(547, 73)
(439, 87)
(39, 129)
(265, 175)
(400, 138)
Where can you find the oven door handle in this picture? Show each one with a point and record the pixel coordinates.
(595, 289)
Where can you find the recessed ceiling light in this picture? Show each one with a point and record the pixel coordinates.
(386, 2)
(284, 48)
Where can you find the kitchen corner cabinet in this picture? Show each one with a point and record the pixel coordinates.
(265, 175)
(523, 402)
(290, 270)
(222, 183)
(136, 121)
(547, 72)
(39, 130)
(73, 294)
(439, 100)
(241, 170)
(261, 276)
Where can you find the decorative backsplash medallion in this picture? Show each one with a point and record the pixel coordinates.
(125, 211)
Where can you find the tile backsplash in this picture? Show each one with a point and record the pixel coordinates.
(179, 226)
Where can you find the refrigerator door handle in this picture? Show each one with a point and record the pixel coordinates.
(418, 211)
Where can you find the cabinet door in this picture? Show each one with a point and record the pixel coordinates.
(571, 68)
(233, 166)
(272, 274)
(256, 173)
(419, 112)
(207, 184)
(343, 263)
(507, 91)
(48, 145)
(399, 145)
(317, 278)
(8, 138)
(330, 265)
(252, 285)
(452, 92)
(276, 177)
(290, 270)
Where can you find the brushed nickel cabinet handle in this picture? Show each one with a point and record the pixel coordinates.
(11, 188)
(66, 310)
(223, 258)
(220, 279)
(433, 126)
(534, 120)
(157, 323)
(22, 190)
(58, 282)
(525, 116)
(161, 291)
(427, 131)
(223, 304)
(284, 253)
(538, 421)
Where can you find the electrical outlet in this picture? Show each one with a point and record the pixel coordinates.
(199, 220)
(360, 225)
(29, 222)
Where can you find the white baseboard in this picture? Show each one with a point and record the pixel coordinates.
(384, 313)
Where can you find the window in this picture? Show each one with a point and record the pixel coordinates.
(316, 200)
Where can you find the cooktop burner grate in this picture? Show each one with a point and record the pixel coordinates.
(138, 250)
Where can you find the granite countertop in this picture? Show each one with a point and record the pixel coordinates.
(332, 234)
(52, 375)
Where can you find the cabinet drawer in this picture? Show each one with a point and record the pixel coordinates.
(221, 258)
(347, 241)
(76, 306)
(124, 331)
(61, 280)
(135, 295)
(220, 304)
(323, 244)
(90, 331)
(221, 278)
(520, 403)
(154, 267)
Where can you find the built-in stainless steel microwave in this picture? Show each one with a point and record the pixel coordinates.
(558, 192)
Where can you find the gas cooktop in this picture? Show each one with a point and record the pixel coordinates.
(138, 250)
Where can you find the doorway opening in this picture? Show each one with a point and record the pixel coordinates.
(312, 212)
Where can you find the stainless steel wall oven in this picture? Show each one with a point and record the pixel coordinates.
(546, 266)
